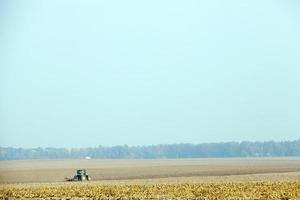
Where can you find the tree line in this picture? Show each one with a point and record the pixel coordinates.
(172, 151)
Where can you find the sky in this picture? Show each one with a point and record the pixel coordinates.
(79, 73)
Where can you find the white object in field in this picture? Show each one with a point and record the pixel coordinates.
(88, 157)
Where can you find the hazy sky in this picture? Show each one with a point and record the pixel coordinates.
(89, 73)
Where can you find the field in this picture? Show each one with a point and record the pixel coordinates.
(248, 178)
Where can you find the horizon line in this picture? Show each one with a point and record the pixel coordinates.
(148, 145)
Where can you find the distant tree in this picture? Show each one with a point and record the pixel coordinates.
(204, 150)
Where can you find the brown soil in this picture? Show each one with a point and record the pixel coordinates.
(37, 171)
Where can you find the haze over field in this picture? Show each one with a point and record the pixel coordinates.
(83, 74)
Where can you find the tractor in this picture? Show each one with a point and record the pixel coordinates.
(81, 175)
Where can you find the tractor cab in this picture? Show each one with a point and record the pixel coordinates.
(81, 172)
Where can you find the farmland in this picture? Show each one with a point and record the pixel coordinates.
(252, 190)
(247, 178)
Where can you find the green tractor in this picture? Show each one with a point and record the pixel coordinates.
(81, 175)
